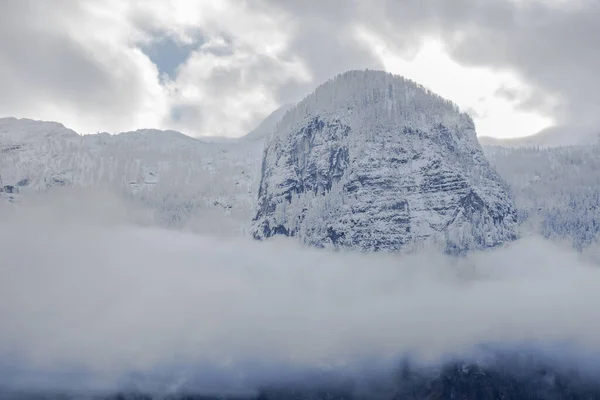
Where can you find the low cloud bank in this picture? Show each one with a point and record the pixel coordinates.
(84, 291)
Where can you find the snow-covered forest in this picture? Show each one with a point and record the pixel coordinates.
(556, 189)
(174, 181)
(188, 184)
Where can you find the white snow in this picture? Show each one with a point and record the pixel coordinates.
(179, 180)
(557, 189)
(374, 161)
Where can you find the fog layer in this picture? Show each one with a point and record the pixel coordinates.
(82, 286)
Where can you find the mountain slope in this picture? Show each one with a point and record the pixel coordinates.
(181, 182)
(375, 162)
(267, 126)
(557, 189)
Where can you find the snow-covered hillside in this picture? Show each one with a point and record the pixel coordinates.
(212, 187)
(372, 161)
(268, 125)
(557, 190)
(182, 182)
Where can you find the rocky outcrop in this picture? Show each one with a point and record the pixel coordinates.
(375, 162)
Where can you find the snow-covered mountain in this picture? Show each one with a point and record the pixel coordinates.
(268, 125)
(181, 182)
(376, 162)
(212, 187)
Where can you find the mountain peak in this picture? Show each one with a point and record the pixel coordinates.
(156, 135)
(393, 98)
(24, 129)
(374, 161)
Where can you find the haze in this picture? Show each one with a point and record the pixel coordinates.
(106, 296)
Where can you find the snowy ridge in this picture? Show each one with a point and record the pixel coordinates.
(376, 162)
(268, 125)
(181, 182)
(19, 131)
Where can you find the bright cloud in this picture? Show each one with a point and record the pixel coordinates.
(218, 68)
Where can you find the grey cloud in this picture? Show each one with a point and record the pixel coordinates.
(186, 115)
(322, 36)
(236, 70)
(475, 113)
(43, 61)
(509, 93)
(552, 46)
(224, 49)
(555, 49)
(335, 53)
(224, 79)
(37, 56)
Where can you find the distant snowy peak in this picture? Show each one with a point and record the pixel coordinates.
(169, 137)
(152, 138)
(268, 125)
(373, 161)
(26, 130)
(156, 134)
(178, 180)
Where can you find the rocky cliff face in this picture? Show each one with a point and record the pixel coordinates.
(375, 162)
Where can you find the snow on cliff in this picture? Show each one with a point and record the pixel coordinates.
(375, 162)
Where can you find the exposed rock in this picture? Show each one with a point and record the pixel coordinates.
(375, 162)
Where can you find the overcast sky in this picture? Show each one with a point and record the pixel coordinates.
(217, 67)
